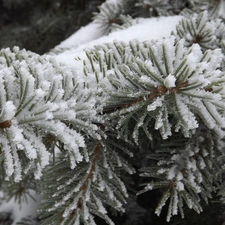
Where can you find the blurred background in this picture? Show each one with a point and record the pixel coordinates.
(40, 25)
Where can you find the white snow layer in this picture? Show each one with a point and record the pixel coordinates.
(83, 35)
(146, 29)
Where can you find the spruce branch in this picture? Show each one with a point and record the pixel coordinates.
(167, 87)
(198, 6)
(28, 221)
(202, 29)
(81, 193)
(164, 80)
(109, 14)
(20, 191)
(164, 97)
(126, 22)
(186, 173)
(156, 7)
(39, 98)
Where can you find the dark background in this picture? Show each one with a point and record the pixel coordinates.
(40, 25)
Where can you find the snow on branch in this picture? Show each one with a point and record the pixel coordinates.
(39, 97)
(80, 193)
(163, 80)
(202, 29)
(187, 173)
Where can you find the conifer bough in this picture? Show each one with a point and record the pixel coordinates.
(159, 101)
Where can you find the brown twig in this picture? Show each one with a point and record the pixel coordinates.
(83, 188)
(159, 91)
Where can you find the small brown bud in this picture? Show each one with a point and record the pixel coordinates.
(209, 89)
(6, 124)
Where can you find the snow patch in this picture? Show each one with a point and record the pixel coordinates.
(169, 81)
(147, 29)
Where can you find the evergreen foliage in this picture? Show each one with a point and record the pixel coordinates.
(34, 106)
(202, 29)
(152, 122)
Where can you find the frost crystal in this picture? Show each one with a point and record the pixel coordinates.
(39, 101)
(169, 81)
